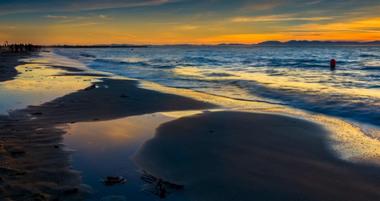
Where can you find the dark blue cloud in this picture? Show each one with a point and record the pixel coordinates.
(209, 8)
(25, 6)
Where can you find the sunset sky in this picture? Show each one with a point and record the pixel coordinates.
(186, 21)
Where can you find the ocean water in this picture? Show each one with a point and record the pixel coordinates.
(298, 77)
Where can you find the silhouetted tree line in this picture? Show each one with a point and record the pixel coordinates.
(19, 48)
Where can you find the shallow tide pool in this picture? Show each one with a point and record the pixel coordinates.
(106, 148)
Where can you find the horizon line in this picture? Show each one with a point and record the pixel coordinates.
(202, 44)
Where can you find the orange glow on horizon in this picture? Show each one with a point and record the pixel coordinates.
(214, 32)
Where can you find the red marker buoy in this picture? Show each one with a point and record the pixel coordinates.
(332, 64)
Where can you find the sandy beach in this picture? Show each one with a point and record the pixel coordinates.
(253, 156)
(189, 100)
(215, 155)
(34, 165)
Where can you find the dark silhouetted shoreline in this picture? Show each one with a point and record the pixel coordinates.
(96, 46)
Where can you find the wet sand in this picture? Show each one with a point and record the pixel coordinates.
(34, 164)
(8, 63)
(252, 156)
(216, 156)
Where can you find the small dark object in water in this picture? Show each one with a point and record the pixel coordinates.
(56, 146)
(123, 96)
(109, 181)
(332, 64)
(37, 113)
(160, 187)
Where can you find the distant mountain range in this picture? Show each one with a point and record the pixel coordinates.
(265, 43)
(315, 43)
(289, 43)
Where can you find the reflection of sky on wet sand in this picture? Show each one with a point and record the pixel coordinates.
(37, 83)
(105, 148)
(97, 137)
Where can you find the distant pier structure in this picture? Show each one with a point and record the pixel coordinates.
(18, 48)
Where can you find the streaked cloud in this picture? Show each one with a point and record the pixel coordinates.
(101, 16)
(100, 5)
(277, 18)
(24, 6)
(187, 27)
(360, 25)
(313, 2)
(9, 27)
(84, 24)
(78, 20)
(56, 17)
(261, 6)
(186, 21)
